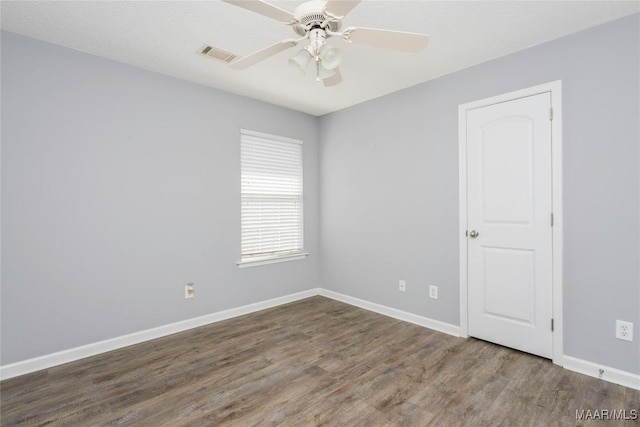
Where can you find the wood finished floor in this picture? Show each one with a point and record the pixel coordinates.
(315, 362)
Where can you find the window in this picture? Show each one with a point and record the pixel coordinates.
(271, 197)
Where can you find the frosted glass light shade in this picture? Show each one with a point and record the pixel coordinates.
(301, 60)
(330, 56)
(324, 72)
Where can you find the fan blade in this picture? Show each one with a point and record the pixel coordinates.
(340, 8)
(265, 9)
(249, 60)
(399, 40)
(334, 79)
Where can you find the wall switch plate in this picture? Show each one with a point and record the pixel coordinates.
(402, 286)
(624, 330)
(188, 291)
(433, 292)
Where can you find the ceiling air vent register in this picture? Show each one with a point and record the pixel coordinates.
(217, 53)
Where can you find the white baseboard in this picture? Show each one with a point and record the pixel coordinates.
(70, 355)
(585, 367)
(73, 354)
(606, 373)
(426, 322)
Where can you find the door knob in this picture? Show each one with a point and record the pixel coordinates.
(473, 234)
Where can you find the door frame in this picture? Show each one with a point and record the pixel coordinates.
(555, 89)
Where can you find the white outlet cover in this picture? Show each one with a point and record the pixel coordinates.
(433, 292)
(188, 291)
(402, 286)
(624, 330)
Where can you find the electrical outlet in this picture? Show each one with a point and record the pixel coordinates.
(624, 330)
(433, 292)
(188, 291)
(402, 286)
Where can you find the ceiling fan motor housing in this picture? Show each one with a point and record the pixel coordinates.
(311, 15)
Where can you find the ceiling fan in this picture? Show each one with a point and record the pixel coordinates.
(317, 21)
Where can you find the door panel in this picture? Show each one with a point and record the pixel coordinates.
(509, 285)
(509, 206)
(507, 184)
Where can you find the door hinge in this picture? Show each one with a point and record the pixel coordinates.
(551, 325)
(551, 114)
(552, 219)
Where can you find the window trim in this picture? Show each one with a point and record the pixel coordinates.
(274, 259)
(288, 256)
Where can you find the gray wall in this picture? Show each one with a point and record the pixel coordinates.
(389, 188)
(119, 186)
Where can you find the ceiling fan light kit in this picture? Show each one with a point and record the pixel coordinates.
(326, 57)
(316, 21)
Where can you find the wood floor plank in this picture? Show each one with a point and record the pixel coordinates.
(314, 362)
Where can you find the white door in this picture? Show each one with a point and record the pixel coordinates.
(509, 223)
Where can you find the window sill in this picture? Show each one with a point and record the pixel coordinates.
(271, 260)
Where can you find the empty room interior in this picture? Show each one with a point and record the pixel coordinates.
(340, 213)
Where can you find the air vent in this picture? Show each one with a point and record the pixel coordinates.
(217, 53)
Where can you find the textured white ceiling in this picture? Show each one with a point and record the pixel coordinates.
(164, 36)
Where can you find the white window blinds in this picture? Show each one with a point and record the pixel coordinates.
(271, 187)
